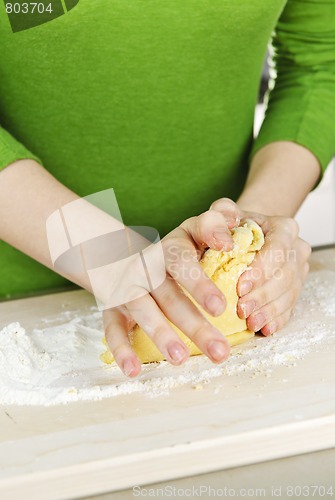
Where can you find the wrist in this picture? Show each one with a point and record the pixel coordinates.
(255, 200)
(280, 177)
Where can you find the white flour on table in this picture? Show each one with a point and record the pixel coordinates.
(60, 363)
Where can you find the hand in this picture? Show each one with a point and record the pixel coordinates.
(269, 290)
(183, 248)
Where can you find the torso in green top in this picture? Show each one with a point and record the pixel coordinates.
(152, 98)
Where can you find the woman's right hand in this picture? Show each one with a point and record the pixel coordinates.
(183, 248)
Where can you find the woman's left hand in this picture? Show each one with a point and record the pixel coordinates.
(269, 290)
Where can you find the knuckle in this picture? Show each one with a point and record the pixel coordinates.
(285, 250)
(158, 333)
(289, 276)
(277, 324)
(174, 247)
(223, 203)
(292, 297)
(200, 332)
(291, 226)
(109, 317)
(171, 242)
(256, 273)
(119, 351)
(188, 222)
(107, 323)
(256, 317)
(167, 299)
(261, 297)
(285, 318)
(286, 230)
(203, 286)
(296, 295)
(136, 267)
(294, 226)
(305, 270)
(133, 306)
(270, 328)
(205, 216)
(305, 249)
(270, 311)
(208, 221)
(204, 222)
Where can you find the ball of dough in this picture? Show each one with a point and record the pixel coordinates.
(224, 268)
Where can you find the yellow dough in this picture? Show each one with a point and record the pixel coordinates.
(224, 268)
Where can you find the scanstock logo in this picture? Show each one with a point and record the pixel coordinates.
(24, 15)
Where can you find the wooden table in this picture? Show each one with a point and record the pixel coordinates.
(87, 448)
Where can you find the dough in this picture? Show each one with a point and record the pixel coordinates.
(224, 268)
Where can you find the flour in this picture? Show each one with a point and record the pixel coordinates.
(60, 363)
(20, 361)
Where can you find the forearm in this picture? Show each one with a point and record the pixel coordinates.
(280, 177)
(28, 196)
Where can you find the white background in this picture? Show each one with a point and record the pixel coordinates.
(316, 216)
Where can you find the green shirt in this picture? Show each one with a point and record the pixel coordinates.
(156, 99)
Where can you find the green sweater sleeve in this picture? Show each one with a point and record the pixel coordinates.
(301, 98)
(12, 150)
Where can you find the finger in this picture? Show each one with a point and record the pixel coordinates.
(283, 280)
(150, 318)
(257, 320)
(117, 324)
(182, 264)
(184, 314)
(210, 229)
(229, 209)
(277, 324)
(304, 249)
(278, 249)
(305, 271)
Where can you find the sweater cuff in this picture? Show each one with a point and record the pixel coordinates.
(290, 120)
(12, 150)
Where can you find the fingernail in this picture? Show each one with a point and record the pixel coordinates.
(217, 350)
(232, 222)
(128, 367)
(223, 237)
(176, 352)
(245, 287)
(215, 305)
(248, 308)
(259, 321)
(272, 328)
